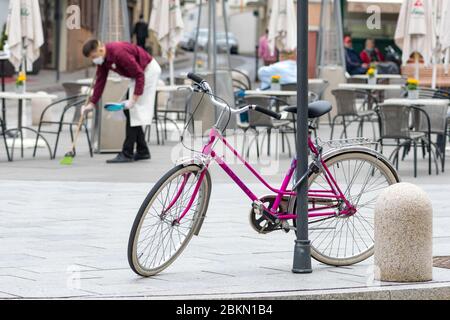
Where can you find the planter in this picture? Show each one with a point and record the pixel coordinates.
(20, 89)
(275, 87)
(372, 80)
(413, 94)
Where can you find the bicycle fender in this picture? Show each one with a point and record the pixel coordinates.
(334, 152)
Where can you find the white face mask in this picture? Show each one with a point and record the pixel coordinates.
(98, 61)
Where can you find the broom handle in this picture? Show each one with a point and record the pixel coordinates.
(80, 123)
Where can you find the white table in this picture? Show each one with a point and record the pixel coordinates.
(272, 93)
(21, 97)
(281, 93)
(88, 81)
(378, 76)
(418, 102)
(370, 89)
(171, 88)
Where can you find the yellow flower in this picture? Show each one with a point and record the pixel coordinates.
(22, 77)
(413, 81)
(371, 72)
(276, 77)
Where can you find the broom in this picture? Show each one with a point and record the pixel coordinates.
(68, 158)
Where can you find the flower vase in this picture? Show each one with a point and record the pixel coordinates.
(20, 89)
(413, 94)
(275, 86)
(372, 80)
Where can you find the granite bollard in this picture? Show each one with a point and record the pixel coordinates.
(404, 235)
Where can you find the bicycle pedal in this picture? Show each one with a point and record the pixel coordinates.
(285, 226)
(269, 217)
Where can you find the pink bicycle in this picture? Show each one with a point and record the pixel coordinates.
(344, 185)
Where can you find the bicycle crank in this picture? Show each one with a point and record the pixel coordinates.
(262, 221)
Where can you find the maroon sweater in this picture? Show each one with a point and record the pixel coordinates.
(126, 59)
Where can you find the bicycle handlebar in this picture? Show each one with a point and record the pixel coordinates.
(195, 77)
(204, 86)
(268, 112)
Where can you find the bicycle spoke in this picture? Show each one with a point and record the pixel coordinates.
(160, 236)
(347, 236)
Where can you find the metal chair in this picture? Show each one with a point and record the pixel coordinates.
(257, 121)
(347, 109)
(395, 124)
(241, 80)
(292, 101)
(436, 122)
(177, 105)
(3, 133)
(73, 89)
(73, 103)
(319, 88)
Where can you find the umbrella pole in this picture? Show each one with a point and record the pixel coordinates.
(434, 77)
(225, 22)
(200, 5)
(416, 58)
(171, 67)
(446, 62)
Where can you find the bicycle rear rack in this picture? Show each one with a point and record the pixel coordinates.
(341, 143)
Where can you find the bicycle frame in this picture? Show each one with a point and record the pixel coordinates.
(333, 194)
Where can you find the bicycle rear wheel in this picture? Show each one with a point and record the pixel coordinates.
(342, 240)
(156, 239)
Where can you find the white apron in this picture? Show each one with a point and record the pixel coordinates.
(142, 113)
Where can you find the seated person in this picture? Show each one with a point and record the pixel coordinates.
(371, 54)
(354, 64)
(287, 70)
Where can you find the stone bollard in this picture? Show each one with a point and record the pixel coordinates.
(404, 235)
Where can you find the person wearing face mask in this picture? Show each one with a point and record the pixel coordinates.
(130, 61)
(354, 64)
(371, 54)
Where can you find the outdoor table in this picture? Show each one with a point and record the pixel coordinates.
(21, 97)
(280, 93)
(418, 102)
(427, 103)
(370, 89)
(88, 81)
(378, 77)
(271, 93)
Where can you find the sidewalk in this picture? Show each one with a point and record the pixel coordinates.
(64, 234)
(73, 245)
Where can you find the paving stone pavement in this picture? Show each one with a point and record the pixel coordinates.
(69, 240)
(64, 234)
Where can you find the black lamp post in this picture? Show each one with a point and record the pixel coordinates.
(302, 251)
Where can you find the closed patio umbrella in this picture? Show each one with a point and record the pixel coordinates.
(283, 26)
(25, 34)
(416, 31)
(444, 35)
(167, 22)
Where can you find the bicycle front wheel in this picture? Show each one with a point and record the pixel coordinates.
(157, 238)
(343, 240)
